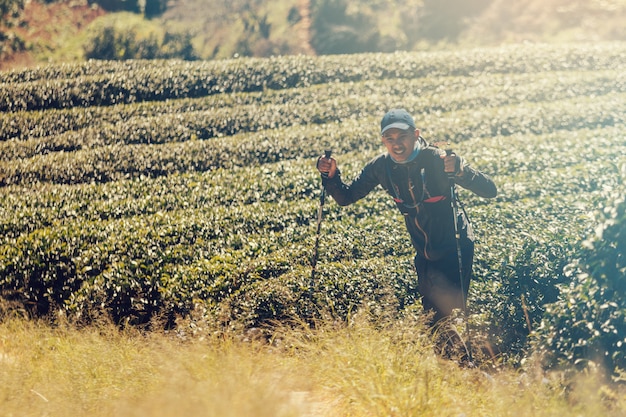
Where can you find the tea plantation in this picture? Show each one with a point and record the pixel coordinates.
(167, 193)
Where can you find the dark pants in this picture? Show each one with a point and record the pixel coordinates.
(439, 284)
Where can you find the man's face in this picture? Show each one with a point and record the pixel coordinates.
(400, 143)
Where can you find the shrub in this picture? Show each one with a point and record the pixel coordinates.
(138, 41)
(528, 280)
(104, 208)
(587, 325)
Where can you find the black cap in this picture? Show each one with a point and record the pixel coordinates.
(398, 118)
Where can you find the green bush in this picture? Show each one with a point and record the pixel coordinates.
(148, 190)
(335, 31)
(99, 83)
(40, 270)
(109, 43)
(587, 325)
(527, 281)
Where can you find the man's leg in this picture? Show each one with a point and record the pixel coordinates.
(439, 283)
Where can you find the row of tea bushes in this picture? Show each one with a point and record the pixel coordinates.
(177, 222)
(135, 81)
(169, 144)
(142, 224)
(437, 94)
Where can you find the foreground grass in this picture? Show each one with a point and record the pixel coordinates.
(355, 370)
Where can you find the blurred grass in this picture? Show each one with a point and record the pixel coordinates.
(359, 369)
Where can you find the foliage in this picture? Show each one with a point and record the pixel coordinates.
(114, 42)
(9, 41)
(528, 279)
(335, 31)
(449, 19)
(119, 5)
(587, 324)
(7, 6)
(344, 27)
(154, 8)
(219, 29)
(155, 192)
(94, 83)
(559, 21)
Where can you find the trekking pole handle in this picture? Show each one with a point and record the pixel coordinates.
(327, 154)
(450, 152)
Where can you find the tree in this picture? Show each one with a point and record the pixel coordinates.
(10, 42)
(112, 43)
(446, 19)
(154, 8)
(7, 6)
(336, 31)
(120, 5)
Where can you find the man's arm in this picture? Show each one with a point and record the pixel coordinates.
(345, 194)
(477, 182)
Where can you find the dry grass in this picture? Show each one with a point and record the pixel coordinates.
(355, 370)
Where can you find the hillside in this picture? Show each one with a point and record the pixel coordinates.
(44, 28)
(181, 190)
(220, 29)
(158, 220)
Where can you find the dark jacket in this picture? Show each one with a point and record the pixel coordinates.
(421, 191)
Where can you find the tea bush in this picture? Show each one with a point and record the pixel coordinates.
(171, 145)
(188, 189)
(90, 83)
(453, 93)
(587, 324)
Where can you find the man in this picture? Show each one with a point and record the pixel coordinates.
(418, 177)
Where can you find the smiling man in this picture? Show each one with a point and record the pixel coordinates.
(419, 178)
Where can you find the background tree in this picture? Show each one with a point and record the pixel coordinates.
(141, 40)
(120, 5)
(154, 8)
(9, 42)
(7, 6)
(447, 19)
(337, 30)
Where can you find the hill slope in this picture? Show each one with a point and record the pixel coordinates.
(157, 190)
(222, 29)
(45, 28)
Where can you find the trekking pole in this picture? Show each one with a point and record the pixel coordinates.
(320, 212)
(457, 236)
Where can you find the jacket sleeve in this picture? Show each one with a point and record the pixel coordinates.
(345, 194)
(477, 182)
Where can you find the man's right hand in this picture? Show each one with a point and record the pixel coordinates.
(327, 166)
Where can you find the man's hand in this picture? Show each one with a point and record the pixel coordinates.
(327, 166)
(452, 163)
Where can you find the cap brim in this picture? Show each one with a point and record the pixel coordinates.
(397, 125)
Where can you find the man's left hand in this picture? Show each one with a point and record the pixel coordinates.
(452, 164)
